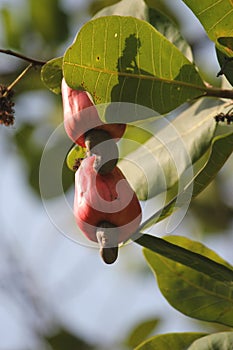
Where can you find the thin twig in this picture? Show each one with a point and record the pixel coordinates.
(22, 57)
(9, 87)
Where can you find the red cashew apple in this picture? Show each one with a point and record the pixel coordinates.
(105, 198)
(80, 116)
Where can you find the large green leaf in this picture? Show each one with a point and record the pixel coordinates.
(175, 145)
(193, 293)
(170, 341)
(121, 59)
(156, 13)
(217, 341)
(216, 17)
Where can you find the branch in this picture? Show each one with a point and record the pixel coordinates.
(22, 57)
(222, 93)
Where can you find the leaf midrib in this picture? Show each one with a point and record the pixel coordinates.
(139, 76)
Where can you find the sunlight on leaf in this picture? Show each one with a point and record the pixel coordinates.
(124, 59)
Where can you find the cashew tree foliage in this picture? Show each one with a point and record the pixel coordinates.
(139, 71)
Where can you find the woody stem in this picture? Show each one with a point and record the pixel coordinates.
(23, 57)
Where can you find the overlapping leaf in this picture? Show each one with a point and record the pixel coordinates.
(192, 292)
(124, 59)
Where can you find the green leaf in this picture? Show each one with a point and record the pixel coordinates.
(191, 292)
(216, 18)
(51, 74)
(175, 144)
(186, 257)
(75, 153)
(170, 341)
(127, 58)
(220, 150)
(156, 13)
(217, 341)
(141, 332)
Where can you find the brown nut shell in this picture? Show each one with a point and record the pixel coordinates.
(100, 143)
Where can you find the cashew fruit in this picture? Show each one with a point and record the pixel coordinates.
(80, 116)
(105, 198)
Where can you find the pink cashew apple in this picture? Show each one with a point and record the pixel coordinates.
(105, 198)
(80, 116)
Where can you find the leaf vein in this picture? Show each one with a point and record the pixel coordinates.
(208, 8)
(220, 20)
